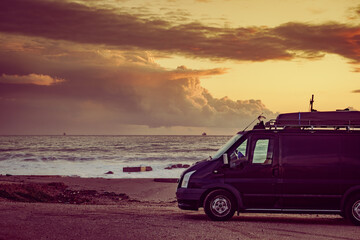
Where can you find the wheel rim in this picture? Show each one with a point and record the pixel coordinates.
(356, 210)
(220, 206)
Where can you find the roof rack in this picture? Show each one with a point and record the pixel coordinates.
(333, 119)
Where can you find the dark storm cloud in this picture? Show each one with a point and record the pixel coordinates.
(327, 38)
(79, 23)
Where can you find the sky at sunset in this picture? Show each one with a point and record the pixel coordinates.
(171, 66)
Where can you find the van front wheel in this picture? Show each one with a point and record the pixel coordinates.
(352, 209)
(219, 205)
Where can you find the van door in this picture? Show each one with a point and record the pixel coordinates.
(310, 171)
(256, 174)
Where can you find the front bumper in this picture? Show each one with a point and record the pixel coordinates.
(189, 198)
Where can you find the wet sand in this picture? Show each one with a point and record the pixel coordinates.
(53, 207)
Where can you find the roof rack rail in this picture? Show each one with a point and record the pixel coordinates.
(333, 119)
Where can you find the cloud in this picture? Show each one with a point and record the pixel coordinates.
(327, 38)
(106, 88)
(37, 79)
(83, 24)
(356, 91)
(353, 13)
(182, 72)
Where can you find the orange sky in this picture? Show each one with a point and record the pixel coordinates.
(172, 67)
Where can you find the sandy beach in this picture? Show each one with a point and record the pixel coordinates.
(55, 207)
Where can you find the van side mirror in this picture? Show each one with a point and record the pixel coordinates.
(225, 159)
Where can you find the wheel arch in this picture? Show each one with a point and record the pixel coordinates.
(348, 195)
(229, 188)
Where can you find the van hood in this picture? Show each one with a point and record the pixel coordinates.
(203, 167)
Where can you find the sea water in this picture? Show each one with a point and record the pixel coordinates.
(93, 156)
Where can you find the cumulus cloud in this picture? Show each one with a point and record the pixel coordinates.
(60, 20)
(109, 89)
(37, 79)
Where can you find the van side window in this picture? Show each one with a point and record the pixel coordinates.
(263, 151)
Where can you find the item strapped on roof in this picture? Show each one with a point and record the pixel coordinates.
(337, 119)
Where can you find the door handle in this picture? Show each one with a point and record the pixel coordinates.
(275, 172)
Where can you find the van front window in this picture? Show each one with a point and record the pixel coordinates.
(227, 145)
(239, 152)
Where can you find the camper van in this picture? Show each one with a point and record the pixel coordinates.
(305, 162)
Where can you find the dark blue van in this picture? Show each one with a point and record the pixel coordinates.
(307, 162)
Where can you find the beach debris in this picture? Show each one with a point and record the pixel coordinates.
(179, 165)
(137, 169)
(109, 172)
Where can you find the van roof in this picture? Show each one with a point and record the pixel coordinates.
(331, 119)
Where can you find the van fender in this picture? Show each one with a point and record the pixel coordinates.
(227, 187)
(355, 189)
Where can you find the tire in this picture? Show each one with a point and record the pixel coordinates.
(219, 205)
(352, 209)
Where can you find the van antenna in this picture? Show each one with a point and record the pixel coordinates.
(258, 118)
(312, 104)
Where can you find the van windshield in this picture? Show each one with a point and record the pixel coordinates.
(227, 145)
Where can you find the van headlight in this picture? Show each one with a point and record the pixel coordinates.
(186, 179)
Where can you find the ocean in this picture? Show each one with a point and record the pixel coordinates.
(93, 156)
